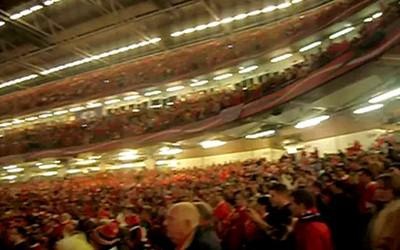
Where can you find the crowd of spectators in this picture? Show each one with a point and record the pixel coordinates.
(188, 109)
(348, 200)
(179, 64)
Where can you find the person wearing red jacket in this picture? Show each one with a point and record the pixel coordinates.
(310, 232)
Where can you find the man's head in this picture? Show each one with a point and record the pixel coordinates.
(181, 220)
(365, 176)
(278, 194)
(302, 201)
(388, 187)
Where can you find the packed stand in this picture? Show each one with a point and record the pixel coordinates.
(193, 60)
(188, 109)
(348, 200)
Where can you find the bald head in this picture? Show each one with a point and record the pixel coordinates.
(182, 219)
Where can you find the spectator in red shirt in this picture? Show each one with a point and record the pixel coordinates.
(309, 231)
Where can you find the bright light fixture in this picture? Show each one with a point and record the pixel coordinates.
(284, 5)
(297, 1)
(281, 58)
(369, 108)
(223, 77)
(212, 144)
(162, 162)
(377, 15)
(341, 33)
(386, 96)
(261, 134)
(49, 166)
(18, 80)
(175, 88)
(131, 97)
(77, 109)
(26, 12)
(60, 112)
(2, 23)
(170, 163)
(153, 93)
(229, 19)
(9, 177)
(312, 122)
(15, 170)
(10, 167)
(368, 20)
(170, 151)
(248, 69)
(310, 46)
(83, 162)
(94, 105)
(50, 173)
(43, 116)
(73, 171)
(128, 155)
(156, 106)
(50, 2)
(5, 124)
(30, 119)
(269, 9)
(197, 83)
(17, 121)
(112, 101)
(100, 56)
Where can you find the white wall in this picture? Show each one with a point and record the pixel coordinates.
(326, 145)
(333, 144)
(268, 153)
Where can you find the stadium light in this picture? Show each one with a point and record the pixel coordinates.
(197, 83)
(367, 109)
(238, 17)
(49, 166)
(310, 46)
(112, 101)
(10, 167)
(128, 155)
(281, 58)
(131, 97)
(175, 88)
(9, 177)
(73, 171)
(312, 122)
(248, 69)
(49, 173)
(341, 33)
(385, 96)
(223, 77)
(77, 109)
(100, 56)
(261, 134)
(212, 144)
(170, 151)
(60, 112)
(152, 93)
(94, 105)
(18, 80)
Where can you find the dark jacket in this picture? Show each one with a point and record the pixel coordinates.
(205, 239)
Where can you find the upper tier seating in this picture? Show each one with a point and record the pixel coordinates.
(179, 64)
